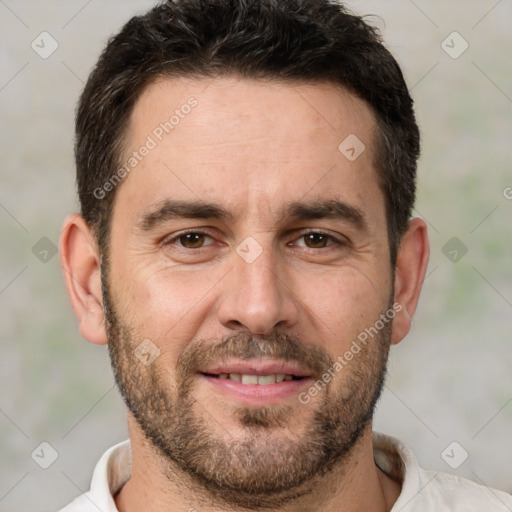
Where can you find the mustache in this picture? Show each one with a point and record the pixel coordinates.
(277, 345)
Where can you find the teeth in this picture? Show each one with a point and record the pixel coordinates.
(261, 380)
(249, 379)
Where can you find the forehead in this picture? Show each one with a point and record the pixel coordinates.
(249, 144)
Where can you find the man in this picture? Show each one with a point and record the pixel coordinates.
(246, 171)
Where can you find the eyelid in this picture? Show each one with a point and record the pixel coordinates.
(337, 238)
(175, 237)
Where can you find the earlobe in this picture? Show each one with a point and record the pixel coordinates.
(411, 266)
(80, 263)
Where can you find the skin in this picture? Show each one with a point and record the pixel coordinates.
(253, 147)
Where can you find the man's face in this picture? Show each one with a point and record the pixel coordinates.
(274, 290)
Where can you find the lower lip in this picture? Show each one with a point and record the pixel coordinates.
(251, 394)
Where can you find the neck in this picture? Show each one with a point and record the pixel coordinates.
(355, 485)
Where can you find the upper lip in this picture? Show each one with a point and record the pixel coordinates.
(258, 367)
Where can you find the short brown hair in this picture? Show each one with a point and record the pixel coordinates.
(289, 40)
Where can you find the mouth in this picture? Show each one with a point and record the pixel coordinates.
(261, 382)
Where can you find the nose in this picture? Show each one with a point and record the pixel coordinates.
(257, 297)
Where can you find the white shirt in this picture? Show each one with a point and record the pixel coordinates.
(422, 490)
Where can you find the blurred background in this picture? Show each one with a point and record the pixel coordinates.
(449, 382)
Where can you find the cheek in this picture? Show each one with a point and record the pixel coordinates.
(169, 306)
(343, 303)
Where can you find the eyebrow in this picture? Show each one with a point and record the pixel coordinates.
(198, 209)
(331, 209)
(179, 209)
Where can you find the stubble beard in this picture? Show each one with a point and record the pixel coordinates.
(265, 465)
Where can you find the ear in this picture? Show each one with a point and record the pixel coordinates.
(411, 266)
(80, 261)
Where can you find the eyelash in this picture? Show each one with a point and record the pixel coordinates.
(332, 238)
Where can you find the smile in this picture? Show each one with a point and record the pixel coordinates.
(260, 380)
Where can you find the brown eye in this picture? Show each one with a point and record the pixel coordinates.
(316, 240)
(192, 240)
(320, 240)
